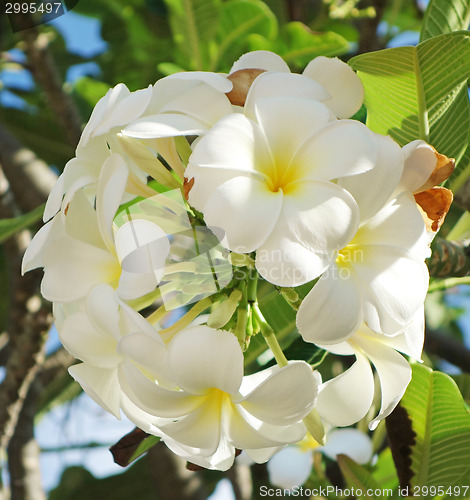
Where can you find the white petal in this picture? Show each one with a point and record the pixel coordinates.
(103, 309)
(101, 110)
(164, 125)
(234, 143)
(87, 343)
(101, 384)
(332, 310)
(217, 81)
(290, 467)
(149, 353)
(340, 81)
(139, 417)
(152, 398)
(201, 102)
(261, 59)
(398, 224)
(142, 248)
(55, 198)
(341, 148)
(200, 429)
(384, 177)
(81, 222)
(394, 286)
(347, 398)
(420, 161)
(282, 84)
(317, 219)
(245, 210)
(111, 186)
(202, 358)
(44, 237)
(288, 122)
(244, 435)
(286, 397)
(73, 268)
(206, 181)
(351, 442)
(394, 374)
(126, 111)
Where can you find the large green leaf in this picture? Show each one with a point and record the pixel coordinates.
(193, 22)
(238, 19)
(420, 93)
(8, 227)
(445, 16)
(440, 455)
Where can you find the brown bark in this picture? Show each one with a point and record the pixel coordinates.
(173, 481)
(368, 40)
(23, 453)
(30, 179)
(46, 73)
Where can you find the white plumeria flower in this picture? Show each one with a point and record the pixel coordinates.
(92, 334)
(265, 182)
(292, 466)
(216, 410)
(116, 109)
(182, 104)
(379, 277)
(347, 398)
(344, 90)
(80, 247)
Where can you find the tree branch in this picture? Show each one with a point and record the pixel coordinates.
(171, 478)
(368, 40)
(445, 347)
(47, 75)
(29, 321)
(449, 258)
(23, 453)
(30, 179)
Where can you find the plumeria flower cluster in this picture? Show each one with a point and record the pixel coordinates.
(181, 197)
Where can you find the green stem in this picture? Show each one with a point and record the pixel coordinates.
(269, 336)
(183, 322)
(157, 315)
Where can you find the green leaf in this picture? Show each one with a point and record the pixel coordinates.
(445, 16)
(463, 383)
(441, 422)
(9, 227)
(193, 22)
(238, 19)
(143, 447)
(357, 476)
(299, 45)
(421, 93)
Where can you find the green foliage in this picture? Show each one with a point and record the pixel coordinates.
(193, 24)
(357, 476)
(238, 20)
(445, 16)
(298, 45)
(421, 93)
(8, 227)
(440, 455)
